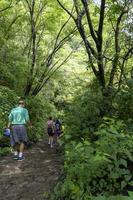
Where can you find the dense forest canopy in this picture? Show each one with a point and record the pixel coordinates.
(41, 29)
(37, 39)
(73, 60)
(102, 27)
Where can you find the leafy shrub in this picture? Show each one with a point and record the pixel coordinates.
(83, 116)
(130, 197)
(8, 99)
(4, 142)
(99, 197)
(4, 151)
(124, 101)
(100, 167)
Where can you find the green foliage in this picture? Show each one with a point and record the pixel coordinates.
(99, 197)
(4, 141)
(4, 151)
(83, 115)
(100, 167)
(8, 99)
(124, 100)
(130, 197)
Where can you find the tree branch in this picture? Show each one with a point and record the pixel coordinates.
(11, 24)
(6, 8)
(68, 12)
(101, 20)
(117, 48)
(85, 4)
(35, 92)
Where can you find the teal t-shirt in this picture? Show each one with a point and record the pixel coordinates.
(18, 115)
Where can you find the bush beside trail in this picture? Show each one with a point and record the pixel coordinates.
(104, 167)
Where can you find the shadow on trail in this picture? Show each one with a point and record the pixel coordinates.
(32, 179)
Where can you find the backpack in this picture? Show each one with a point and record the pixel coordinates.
(58, 127)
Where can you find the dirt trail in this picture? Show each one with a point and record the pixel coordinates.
(31, 179)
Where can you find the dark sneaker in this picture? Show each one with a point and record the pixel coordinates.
(15, 157)
(21, 158)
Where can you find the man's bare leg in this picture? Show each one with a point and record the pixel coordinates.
(21, 150)
(16, 151)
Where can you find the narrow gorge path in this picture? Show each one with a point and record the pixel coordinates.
(31, 179)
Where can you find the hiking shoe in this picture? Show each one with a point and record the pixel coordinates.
(15, 157)
(21, 158)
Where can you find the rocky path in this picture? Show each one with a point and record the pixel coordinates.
(31, 179)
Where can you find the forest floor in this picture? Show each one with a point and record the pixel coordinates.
(33, 178)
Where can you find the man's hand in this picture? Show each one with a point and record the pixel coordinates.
(31, 126)
(9, 125)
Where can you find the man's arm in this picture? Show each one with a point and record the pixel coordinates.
(9, 125)
(10, 118)
(29, 123)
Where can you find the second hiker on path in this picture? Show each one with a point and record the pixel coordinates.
(50, 131)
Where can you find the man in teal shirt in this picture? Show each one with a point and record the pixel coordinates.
(18, 118)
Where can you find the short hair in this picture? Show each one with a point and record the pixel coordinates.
(21, 102)
(50, 118)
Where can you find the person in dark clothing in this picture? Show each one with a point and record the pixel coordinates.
(58, 129)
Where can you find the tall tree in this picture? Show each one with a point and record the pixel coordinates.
(36, 32)
(102, 36)
(42, 65)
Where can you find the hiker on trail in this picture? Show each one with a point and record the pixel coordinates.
(18, 118)
(50, 131)
(58, 128)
